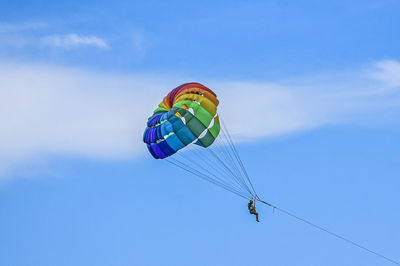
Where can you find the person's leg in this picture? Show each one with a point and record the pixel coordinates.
(257, 217)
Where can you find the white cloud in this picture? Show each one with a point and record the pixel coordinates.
(48, 110)
(268, 109)
(389, 73)
(29, 34)
(14, 27)
(74, 40)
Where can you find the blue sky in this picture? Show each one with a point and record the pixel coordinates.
(315, 86)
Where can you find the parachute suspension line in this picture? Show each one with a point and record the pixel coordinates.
(209, 174)
(227, 168)
(235, 152)
(233, 148)
(225, 151)
(222, 145)
(200, 169)
(196, 173)
(223, 173)
(218, 149)
(329, 232)
(204, 177)
(229, 159)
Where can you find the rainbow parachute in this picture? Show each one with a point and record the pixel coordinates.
(188, 114)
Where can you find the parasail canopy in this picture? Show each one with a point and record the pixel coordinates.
(186, 131)
(188, 114)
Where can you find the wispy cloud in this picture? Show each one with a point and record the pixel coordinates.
(31, 34)
(303, 103)
(389, 73)
(55, 110)
(74, 40)
(16, 27)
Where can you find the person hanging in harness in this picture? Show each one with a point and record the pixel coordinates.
(252, 209)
